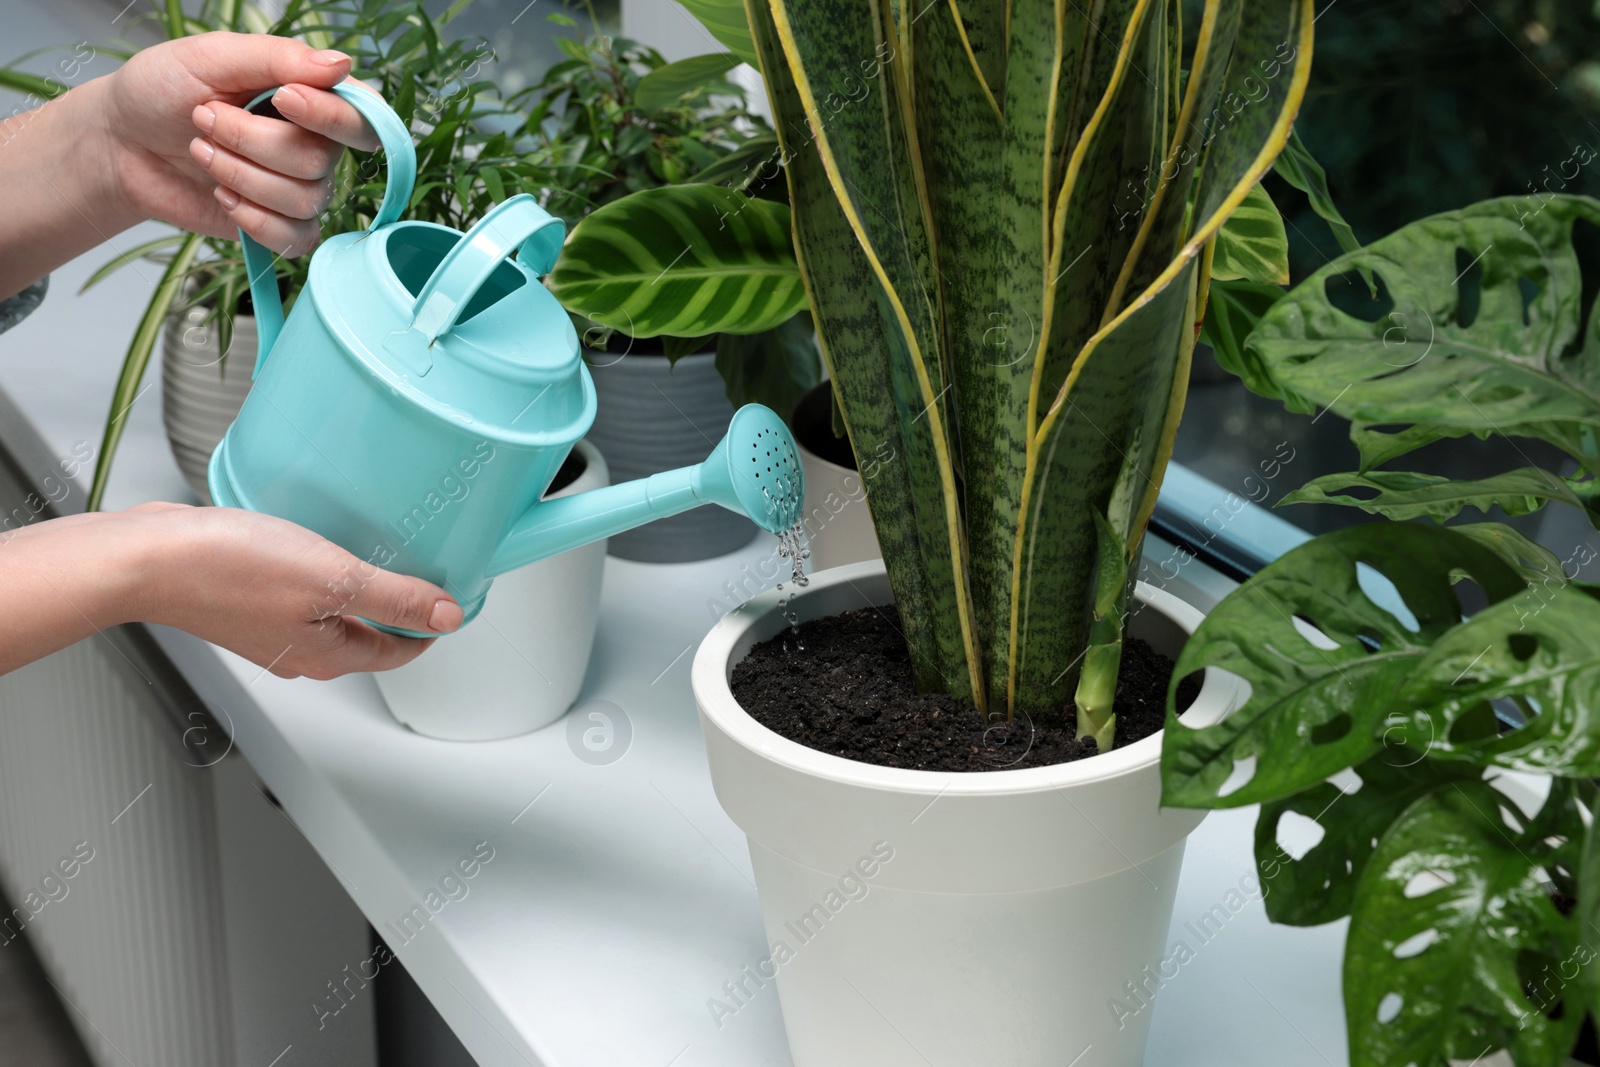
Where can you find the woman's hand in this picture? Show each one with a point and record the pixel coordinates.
(271, 591)
(187, 153)
(164, 137)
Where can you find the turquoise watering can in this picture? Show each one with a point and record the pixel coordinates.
(426, 389)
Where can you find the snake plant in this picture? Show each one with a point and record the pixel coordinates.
(1005, 214)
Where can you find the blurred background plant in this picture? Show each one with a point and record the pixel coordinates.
(610, 118)
(1412, 109)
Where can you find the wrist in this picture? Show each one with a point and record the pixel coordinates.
(96, 158)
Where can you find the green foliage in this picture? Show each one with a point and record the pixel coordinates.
(578, 140)
(1000, 222)
(1419, 656)
(1252, 245)
(614, 118)
(684, 260)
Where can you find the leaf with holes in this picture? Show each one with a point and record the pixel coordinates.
(1253, 245)
(1488, 331)
(1402, 495)
(1320, 885)
(1456, 947)
(1540, 650)
(1318, 706)
(683, 260)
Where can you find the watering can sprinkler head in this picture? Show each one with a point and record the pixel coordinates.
(754, 470)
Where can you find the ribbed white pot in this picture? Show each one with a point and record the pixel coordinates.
(201, 393)
(519, 665)
(916, 918)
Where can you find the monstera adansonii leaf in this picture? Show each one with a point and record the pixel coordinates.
(683, 260)
(1333, 672)
(1457, 946)
(1481, 327)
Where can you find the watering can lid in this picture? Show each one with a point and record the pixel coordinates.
(448, 319)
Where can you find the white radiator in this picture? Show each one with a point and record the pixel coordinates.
(181, 917)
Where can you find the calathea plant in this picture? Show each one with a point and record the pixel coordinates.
(1005, 217)
(1397, 668)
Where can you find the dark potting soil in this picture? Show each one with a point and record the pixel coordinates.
(850, 693)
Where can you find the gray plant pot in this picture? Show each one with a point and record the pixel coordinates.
(654, 416)
(200, 391)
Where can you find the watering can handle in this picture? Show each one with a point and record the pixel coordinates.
(516, 225)
(402, 159)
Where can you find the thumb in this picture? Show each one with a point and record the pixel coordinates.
(251, 62)
(405, 602)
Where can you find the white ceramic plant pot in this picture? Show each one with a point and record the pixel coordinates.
(519, 665)
(201, 393)
(837, 521)
(1013, 906)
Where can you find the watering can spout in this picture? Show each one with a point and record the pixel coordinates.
(754, 470)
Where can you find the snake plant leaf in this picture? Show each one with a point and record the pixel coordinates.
(1403, 495)
(683, 260)
(1320, 886)
(726, 21)
(880, 394)
(1158, 207)
(1105, 441)
(1253, 245)
(1096, 217)
(663, 86)
(1498, 347)
(1452, 921)
(1540, 650)
(959, 133)
(984, 26)
(137, 359)
(1320, 704)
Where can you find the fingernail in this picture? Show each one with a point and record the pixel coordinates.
(289, 103)
(228, 198)
(202, 151)
(205, 118)
(446, 617)
(329, 58)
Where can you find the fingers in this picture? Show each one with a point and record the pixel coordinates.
(279, 146)
(366, 649)
(246, 63)
(405, 603)
(285, 236)
(293, 198)
(325, 113)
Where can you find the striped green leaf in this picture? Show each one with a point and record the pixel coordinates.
(663, 86)
(1104, 443)
(725, 20)
(1252, 245)
(883, 386)
(683, 260)
(135, 362)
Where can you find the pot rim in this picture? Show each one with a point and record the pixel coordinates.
(713, 664)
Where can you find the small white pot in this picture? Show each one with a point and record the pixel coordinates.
(519, 665)
(1014, 907)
